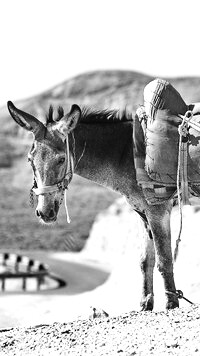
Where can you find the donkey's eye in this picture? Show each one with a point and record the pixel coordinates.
(61, 160)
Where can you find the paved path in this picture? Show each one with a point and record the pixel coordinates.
(82, 277)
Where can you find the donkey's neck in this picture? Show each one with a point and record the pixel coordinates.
(103, 153)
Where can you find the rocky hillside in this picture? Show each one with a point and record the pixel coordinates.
(102, 89)
(106, 89)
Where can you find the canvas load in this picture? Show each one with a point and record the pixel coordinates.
(164, 109)
(162, 105)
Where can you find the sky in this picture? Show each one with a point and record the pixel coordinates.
(45, 42)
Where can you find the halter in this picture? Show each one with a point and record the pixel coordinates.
(61, 186)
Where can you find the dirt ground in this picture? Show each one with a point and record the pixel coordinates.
(174, 332)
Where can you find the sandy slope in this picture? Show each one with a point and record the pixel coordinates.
(137, 333)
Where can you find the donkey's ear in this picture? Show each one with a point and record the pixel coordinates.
(69, 121)
(25, 120)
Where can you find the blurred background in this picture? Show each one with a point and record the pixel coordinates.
(99, 53)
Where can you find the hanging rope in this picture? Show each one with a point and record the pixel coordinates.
(182, 178)
(66, 208)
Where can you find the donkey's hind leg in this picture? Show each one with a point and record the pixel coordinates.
(147, 263)
(159, 222)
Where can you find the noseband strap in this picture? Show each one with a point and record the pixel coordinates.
(46, 189)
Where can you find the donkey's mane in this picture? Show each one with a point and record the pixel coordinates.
(89, 115)
(106, 116)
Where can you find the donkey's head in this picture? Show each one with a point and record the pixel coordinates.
(50, 156)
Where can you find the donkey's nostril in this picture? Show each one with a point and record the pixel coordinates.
(51, 214)
(38, 213)
(56, 206)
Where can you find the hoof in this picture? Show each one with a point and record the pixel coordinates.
(147, 303)
(172, 300)
(172, 304)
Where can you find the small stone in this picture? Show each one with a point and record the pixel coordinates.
(171, 343)
(66, 331)
(98, 313)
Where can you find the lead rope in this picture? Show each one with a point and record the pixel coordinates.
(70, 171)
(182, 173)
(66, 208)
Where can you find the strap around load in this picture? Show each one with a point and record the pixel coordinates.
(160, 94)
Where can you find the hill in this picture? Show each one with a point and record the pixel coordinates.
(101, 89)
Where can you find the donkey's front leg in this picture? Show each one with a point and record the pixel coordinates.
(159, 222)
(147, 264)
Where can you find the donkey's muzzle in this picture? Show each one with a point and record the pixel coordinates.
(48, 216)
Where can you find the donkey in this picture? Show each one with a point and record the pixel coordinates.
(98, 145)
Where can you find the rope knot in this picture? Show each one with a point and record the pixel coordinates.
(183, 129)
(179, 294)
(141, 113)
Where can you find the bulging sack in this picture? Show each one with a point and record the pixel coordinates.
(162, 105)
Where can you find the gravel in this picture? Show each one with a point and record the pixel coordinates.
(175, 332)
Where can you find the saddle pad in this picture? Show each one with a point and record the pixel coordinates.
(154, 193)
